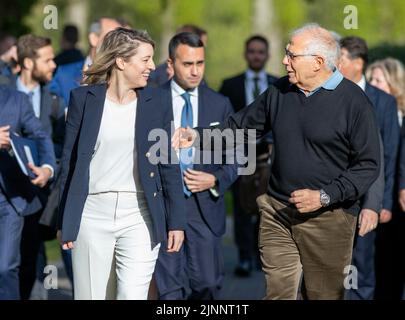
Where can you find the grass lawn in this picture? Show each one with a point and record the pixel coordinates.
(52, 251)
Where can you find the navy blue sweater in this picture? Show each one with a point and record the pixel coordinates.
(328, 140)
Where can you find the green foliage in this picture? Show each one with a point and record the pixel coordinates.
(11, 16)
(228, 22)
(290, 15)
(228, 26)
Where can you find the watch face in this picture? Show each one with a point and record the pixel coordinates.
(325, 199)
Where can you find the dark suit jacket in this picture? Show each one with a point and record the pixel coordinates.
(16, 111)
(385, 107)
(53, 121)
(401, 159)
(212, 107)
(162, 188)
(234, 89)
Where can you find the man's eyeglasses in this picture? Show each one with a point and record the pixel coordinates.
(292, 56)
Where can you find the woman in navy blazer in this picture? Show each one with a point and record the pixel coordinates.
(115, 204)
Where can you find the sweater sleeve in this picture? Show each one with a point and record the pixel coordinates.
(254, 121)
(365, 156)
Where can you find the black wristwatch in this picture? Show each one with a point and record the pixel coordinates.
(324, 198)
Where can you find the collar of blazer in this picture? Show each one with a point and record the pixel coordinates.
(93, 112)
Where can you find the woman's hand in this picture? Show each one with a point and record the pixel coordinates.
(66, 245)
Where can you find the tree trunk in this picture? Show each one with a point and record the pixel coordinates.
(167, 19)
(264, 23)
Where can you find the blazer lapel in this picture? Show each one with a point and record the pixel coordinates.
(370, 92)
(93, 112)
(203, 120)
(3, 97)
(45, 104)
(144, 118)
(168, 99)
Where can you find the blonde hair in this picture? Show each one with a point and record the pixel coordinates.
(394, 72)
(118, 43)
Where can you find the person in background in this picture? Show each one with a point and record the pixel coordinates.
(164, 72)
(389, 75)
(352, 64)
(70, 53)
(199, 265)
(8, 58)
(35, 56)
(19, 196)
(242, 90)
(97, 31)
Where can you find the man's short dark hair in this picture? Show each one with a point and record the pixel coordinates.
(192, 29)
(257, 38)
(356, 48)
(190, 39)
(28, 45)
(6, 42)
(71, 34)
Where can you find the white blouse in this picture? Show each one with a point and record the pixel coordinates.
(114, 163)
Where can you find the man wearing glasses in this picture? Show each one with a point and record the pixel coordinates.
(326, 157)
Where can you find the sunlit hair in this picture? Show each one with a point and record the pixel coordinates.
(394, 72)
(322, 43)
(119, 43)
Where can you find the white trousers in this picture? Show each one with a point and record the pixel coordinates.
(114, 255)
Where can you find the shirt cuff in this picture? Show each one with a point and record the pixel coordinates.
(214, 192)
(50, 168)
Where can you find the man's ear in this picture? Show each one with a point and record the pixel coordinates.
(170, 62)
(28, 64)
(358, 64)
(93, 39)
(320, 61)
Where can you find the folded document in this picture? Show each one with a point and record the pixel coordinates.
(25, 151)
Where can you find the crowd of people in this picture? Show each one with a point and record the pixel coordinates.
(328, 191)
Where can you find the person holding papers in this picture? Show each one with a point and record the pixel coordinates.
(18, 193)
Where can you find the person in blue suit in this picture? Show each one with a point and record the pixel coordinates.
(353, 61)
(116, 204)
(19, 197)
(199, 265)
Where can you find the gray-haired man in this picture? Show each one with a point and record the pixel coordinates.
(326, 157)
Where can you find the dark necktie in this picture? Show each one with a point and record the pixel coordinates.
(256, 90)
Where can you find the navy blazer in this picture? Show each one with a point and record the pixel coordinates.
(16, 111)
(161, 183)
(385, 107)
(212, 107)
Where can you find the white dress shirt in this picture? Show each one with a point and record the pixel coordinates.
(250, 84)
(36, 96)
(178, 103)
